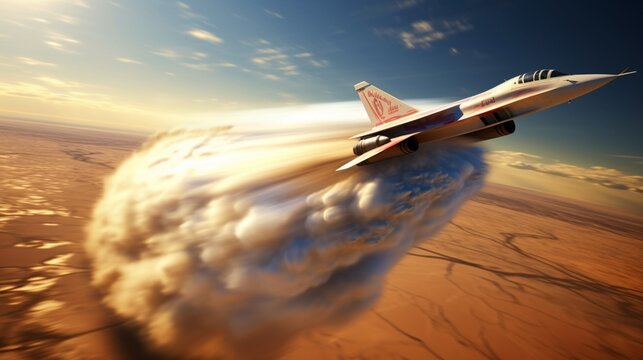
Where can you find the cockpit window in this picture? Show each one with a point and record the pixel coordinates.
(538, 75)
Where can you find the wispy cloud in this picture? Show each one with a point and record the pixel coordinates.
(61, 42)
(205, 36)
(422, 33)
(507, 156)
(598, 175)
(199, 55)
(54, 45)
(67, 19)
(183, 5)
(174, 55)
(285, 61)
(319, 63)
(271, 77)
(129, 61)
(187, 12)
(289, 69)
(194, 60)
(167, 53)
(59, 83)
(34, 62)
(270, 56)
(199, 66)
(274, 14)
(455, 26)
(82, 3)
(277, 59)
(270, 51)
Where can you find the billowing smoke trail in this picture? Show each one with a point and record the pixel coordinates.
(224, 243)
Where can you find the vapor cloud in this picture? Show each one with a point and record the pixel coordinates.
(227, 243)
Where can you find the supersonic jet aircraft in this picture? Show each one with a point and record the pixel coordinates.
(398, 128)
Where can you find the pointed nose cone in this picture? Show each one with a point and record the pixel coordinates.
(584, 84)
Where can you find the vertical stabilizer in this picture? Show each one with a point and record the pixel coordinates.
(381, 106)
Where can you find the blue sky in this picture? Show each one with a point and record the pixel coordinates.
(144, 64)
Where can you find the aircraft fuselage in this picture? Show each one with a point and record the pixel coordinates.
(399, 128)
(505, 102)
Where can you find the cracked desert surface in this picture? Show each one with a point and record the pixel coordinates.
(515, 275)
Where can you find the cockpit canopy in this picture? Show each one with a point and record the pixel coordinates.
(538, 75)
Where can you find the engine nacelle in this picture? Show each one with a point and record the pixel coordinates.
(504, 129)
(407, 146)
(371, 143)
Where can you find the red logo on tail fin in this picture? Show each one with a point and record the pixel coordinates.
(379, 109)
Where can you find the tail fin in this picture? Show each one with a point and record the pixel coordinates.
(380, 106)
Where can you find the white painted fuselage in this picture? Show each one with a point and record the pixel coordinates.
(513, 99)
(399, 128)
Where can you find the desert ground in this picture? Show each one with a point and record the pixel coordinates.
(515, 275)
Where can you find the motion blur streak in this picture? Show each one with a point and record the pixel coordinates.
(226, 243)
